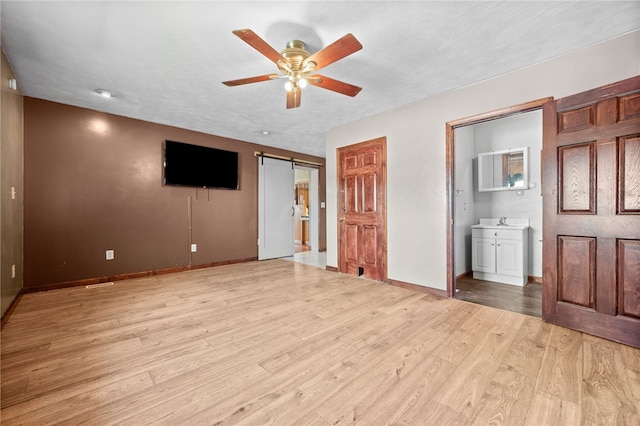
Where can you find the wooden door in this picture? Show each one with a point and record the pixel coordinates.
(361, 209)
(591, 177)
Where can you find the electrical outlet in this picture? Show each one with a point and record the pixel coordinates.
(194, 248)
(110, 255)
(13, 270)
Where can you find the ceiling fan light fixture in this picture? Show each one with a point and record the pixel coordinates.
(295, 82)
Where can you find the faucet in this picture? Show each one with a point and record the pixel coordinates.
(503, 221)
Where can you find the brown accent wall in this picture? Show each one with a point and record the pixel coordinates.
(93, 182)
(11, 164)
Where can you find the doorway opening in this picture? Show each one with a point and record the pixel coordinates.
(301, 220)
(466, 138)
(306, 217)
(306, 203)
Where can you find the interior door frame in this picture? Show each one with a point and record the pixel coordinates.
(314, 204)
(450, 171)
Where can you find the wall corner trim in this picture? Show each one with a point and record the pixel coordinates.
(11, 308)
(121, 277)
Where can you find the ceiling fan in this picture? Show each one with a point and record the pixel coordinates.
(299, 66)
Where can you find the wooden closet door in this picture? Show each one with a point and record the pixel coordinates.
(591, 175)
(361, 209)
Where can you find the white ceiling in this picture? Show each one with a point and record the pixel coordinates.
(166, 60)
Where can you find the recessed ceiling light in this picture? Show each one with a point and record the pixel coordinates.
(105, 93)
(265, 132)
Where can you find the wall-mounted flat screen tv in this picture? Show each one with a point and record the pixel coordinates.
(199, 166)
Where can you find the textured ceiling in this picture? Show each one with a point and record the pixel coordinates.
(166, 60)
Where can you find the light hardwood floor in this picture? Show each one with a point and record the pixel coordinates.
(278, 342)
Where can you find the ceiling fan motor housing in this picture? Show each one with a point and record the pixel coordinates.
(296, 54)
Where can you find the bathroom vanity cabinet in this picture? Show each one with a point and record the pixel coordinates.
(500, 253)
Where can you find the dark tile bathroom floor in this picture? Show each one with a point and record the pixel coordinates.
(526, 300)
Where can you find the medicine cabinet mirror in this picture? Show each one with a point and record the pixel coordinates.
(503, 170)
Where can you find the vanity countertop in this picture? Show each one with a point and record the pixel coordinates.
(499, 227)
(492, 223)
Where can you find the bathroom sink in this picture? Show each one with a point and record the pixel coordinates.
(500, 226)
(494, 223)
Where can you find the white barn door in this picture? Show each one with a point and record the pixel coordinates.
(275, 208)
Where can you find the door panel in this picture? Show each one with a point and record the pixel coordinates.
(630, 174)
(576, 270)
(630, 107)
(369, 192)
(369, 242)
(351, 194)
(361, 208)
(630, 277)
(577, 179)
(351, 243)
(591, 188)
(576, 119)
(275, 208)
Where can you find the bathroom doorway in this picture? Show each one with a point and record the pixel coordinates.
(515, 127)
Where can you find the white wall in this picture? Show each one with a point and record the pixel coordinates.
(464, 184)
(522, 130)
(416, 187)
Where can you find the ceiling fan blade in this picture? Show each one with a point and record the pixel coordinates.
(251, 80)
(293, 99)
(334, 52)
(334, 85)
(260, 45)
